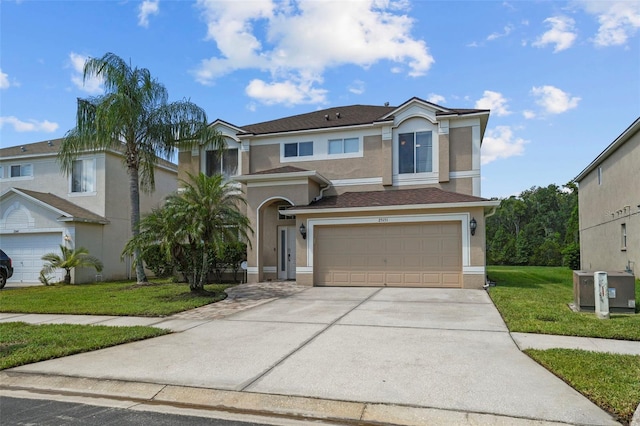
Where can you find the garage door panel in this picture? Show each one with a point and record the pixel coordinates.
(26, 251)
(425, 254)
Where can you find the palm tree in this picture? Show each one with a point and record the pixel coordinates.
(198, 220)
(133, 116)
(68, 260)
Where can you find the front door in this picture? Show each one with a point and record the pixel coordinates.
(286, 252)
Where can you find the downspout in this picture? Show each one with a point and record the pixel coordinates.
(319, 197)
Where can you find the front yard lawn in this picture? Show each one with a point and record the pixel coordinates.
(535, 300)
(110, 298)
(611, 381)
(22, 343)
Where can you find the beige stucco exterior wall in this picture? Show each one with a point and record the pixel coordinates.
(603, 208)
(460, 148)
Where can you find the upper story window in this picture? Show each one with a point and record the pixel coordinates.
(623, 235)
(1, 172)
(225, 164)
(415, 152)
(298, 149)
(19, 170)
(83, 176)
(344, 146)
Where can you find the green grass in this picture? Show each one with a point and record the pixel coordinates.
(22, 343)
(535, 300)
(610, 381)
(110, 298)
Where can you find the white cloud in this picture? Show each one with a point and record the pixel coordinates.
(500, 143)
(91, 85)
(436, 99)
(528, 114)
(29, 125)
(493, 101)
(4, 80)
(554, 100)
(147, 8)
(618, 20)
(287, 40)
(287, 92)
(562, 33)
(357, 87)
(506, 31)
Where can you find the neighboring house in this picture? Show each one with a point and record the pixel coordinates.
(360, 195)
(41, 208)
(609, 205)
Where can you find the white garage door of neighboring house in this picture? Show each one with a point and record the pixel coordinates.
(26, 250)
(401, 255)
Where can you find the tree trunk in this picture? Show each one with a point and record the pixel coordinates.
(134, 192)
(67, 276)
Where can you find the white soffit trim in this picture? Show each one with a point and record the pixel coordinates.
(270, 177)
(488, 203)
(362, 181)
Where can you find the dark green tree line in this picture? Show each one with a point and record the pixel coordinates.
(538, 227)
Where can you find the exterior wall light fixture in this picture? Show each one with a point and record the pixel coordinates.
(303, 231)
(473, 225)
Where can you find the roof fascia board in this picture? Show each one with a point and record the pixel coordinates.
(282, 176)
(488, 203)
(39, 202)
(613, 146)
(413, 100)
(308, 131)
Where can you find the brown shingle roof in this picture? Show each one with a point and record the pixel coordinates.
(397, 197)
(284, 169)
(350, 115)
(72, 211)
(51, 147)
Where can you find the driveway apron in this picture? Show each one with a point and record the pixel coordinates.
(438, 348)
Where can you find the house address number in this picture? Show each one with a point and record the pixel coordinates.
(383, 219)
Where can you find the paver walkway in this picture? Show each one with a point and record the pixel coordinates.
(241, 297)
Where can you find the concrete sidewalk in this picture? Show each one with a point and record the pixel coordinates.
(392, 356)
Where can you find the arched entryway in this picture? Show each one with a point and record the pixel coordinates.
(276, 242)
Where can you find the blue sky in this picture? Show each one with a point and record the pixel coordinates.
(562, 78)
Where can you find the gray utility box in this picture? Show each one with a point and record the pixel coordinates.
(622, 291)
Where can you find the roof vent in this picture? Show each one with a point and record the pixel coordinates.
(337, 114)
(326, 117)
(23, 149)
(50, 143)
(386, 104)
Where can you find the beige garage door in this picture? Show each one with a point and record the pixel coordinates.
(401, 255)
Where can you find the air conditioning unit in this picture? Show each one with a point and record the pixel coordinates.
(622, 292)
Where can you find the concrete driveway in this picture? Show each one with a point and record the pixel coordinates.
(436, 348)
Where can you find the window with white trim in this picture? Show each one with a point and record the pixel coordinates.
(19, 170)
(1, 172)
(415, 152)
(83, 176)
(623, 236)
(298, 149)
(344, 146)
(225, 164)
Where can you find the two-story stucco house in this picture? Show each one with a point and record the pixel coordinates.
(360, 195)
(609, 206)
(41, 208)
